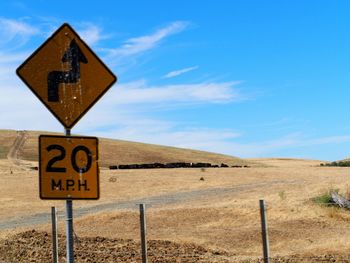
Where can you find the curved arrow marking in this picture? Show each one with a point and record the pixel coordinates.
(74, 56)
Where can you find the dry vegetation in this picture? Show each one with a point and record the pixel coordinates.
(6, 140)
(219, 213)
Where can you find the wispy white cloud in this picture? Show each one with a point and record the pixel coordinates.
(179, 72)
(142, 128)
(6, 57)
(126, 112)
(18, 30)
(141, 44)
(288, 142)
(196, 138)
(16, 27)
(139, 126)
(92, 34)
(330, 140)
(20, 109)
(300, 140)
(139, 92)
(15, 31)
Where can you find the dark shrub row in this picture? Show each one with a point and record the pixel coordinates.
(170, 165)
(341, 164)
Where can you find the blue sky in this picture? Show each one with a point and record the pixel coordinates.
(246, 78)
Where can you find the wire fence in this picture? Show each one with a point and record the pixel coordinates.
(302, 233)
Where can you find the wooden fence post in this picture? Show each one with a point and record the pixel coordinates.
(54, 235)
(264, 233)
(143, 233)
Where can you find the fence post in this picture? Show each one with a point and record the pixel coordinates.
(264, 233)
(143, 233)
(69, 231)
(54, 234)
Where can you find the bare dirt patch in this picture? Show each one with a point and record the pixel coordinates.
(33, 246)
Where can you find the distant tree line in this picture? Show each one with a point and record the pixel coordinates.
(340, 164)
(172, 165)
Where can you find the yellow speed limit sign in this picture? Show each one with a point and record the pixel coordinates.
(68, 167)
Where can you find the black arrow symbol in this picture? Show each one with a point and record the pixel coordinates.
(74, 56)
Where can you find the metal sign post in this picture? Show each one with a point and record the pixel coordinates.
(54, 234)
(69, 223)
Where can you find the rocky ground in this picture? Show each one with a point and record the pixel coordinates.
(35, 246)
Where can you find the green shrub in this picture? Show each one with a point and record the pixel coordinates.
(344, 164)
(325, 198)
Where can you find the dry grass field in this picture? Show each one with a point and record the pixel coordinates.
(213, 212)
(6, 141)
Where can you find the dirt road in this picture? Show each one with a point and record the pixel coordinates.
(13, 154)
(154, 201)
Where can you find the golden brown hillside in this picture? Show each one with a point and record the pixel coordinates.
(113, 152)
(7, 138)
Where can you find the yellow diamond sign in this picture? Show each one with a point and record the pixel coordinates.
(66, 75)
